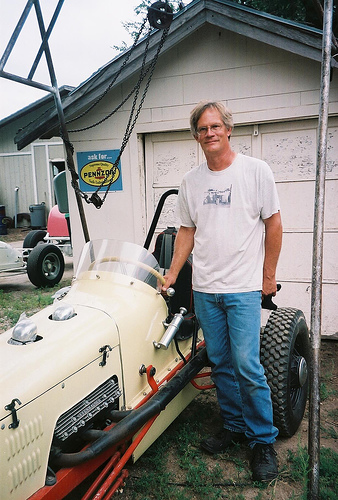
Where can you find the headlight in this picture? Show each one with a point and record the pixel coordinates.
(24, 332)
(63, 312)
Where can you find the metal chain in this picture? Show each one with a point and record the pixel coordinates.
(132, 122)
(135, 89)
(95, 198)
(130, 51)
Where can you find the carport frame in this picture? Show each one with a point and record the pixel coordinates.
(317, 258)
(53, 88)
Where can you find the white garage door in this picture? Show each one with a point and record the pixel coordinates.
(290, 148)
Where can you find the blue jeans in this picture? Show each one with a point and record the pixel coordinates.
(231, 328)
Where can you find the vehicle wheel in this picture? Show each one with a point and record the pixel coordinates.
(45, 265)
(33, 238)
(285, 355)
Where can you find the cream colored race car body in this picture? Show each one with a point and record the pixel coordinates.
(70, 369)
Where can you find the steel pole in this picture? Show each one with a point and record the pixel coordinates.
(62, 122)
(317, 259)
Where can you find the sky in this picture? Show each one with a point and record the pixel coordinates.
(82, 41)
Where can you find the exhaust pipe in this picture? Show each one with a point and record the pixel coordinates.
(137, 418)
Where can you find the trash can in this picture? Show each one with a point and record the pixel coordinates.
(3, 226)
(38, 215)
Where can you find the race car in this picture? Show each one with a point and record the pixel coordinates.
(91, 381)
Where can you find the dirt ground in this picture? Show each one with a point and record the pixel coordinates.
(234, 482)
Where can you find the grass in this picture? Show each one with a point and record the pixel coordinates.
(179, 470)
(328, 474)
(12, 304)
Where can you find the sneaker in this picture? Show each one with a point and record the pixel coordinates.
(222, 440)
(264, 462)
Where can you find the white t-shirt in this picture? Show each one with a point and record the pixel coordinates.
(227, 208)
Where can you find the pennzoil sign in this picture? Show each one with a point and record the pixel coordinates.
(96, 168)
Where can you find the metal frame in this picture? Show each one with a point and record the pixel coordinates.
(53, 88)
(317, 257)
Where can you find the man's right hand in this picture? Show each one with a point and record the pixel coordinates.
(170, 279)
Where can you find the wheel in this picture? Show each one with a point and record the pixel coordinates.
(142, 265)
(45, 265)
(285, 355)
(33, 238)
(160, 15)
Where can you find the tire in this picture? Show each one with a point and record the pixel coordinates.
(45, 265)
(285, 355)
(33, 238)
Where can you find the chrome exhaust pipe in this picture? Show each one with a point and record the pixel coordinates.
(171, 330)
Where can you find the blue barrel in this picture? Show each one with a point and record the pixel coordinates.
(38, 215)
(3, 227)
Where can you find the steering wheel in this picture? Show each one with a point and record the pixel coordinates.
(129, 261)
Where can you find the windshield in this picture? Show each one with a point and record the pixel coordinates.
(119, 257)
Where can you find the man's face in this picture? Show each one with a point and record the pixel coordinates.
(212, 134)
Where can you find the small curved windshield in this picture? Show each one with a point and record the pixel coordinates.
(119, 257)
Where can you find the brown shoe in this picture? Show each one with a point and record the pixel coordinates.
(222, 440)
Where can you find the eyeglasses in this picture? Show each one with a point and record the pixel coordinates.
(215, 129)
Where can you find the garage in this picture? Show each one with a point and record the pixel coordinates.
(267, 71)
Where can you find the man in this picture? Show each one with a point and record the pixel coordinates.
(229, 212)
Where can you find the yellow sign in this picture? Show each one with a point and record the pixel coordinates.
(97, 173)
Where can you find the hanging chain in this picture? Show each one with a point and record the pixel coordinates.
(130, 51)
(134, 114)
(132, 121)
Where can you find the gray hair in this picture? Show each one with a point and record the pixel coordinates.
(196, 113)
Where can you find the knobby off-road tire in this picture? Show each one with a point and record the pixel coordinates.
(285, 355)
(45, 265)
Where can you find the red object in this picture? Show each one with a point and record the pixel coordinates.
(57, 224)
(150, 378)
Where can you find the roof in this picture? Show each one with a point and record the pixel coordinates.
(274, 31)
(46, 101)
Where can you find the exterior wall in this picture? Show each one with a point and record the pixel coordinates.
(274, 96)
(29, 170)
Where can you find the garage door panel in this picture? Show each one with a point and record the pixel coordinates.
(168, 215)
(242, 143)
(298, 295)
(331, 205)
(295, 262)
(290, 154)
(329, 310)
(297, 205)
(332, 153)
(172, 163)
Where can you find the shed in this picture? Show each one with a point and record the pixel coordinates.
(267, 71)
(28, 174)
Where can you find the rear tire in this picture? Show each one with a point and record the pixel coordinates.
(45, 265)
(285, 355)
(33, 238)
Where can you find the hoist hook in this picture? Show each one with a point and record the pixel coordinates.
(160, 15)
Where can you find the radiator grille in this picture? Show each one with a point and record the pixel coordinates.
(103, 399)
